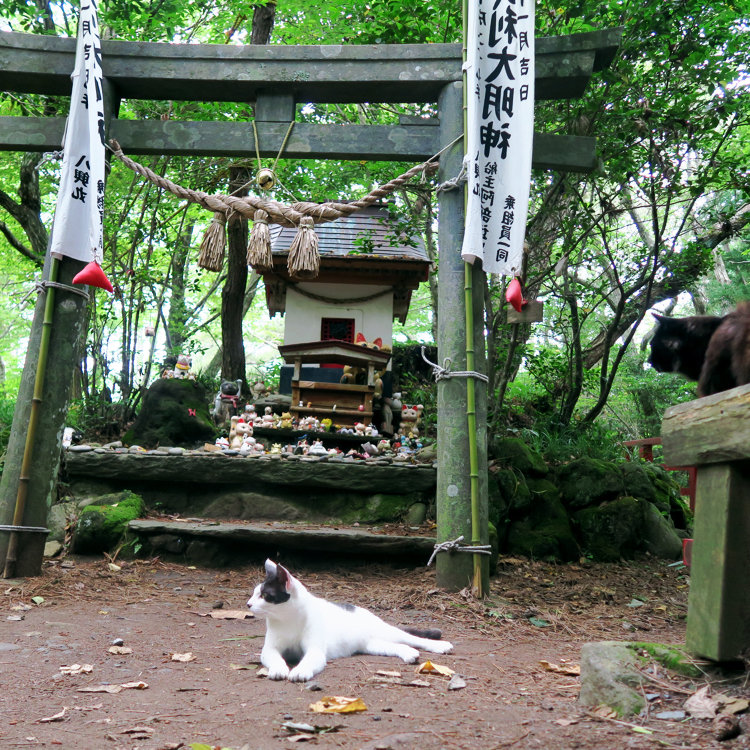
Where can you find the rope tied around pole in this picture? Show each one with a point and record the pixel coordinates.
(42, 286)
(455, 182)
(455, 546)
(445, 372)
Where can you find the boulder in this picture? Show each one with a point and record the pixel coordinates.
(59, 517)
(613, 530)
(659, 535)
(587, 481)
(515, 453)
(545, 533)
(101, 527)
(174, 412)
(609, 677)
(514, 493)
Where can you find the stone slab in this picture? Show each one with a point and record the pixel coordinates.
(317, 539)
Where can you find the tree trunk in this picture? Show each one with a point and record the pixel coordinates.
(263, 18)
(233, 293)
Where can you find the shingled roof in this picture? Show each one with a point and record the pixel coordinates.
(370, 225)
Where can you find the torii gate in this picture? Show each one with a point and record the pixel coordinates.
(277, 78)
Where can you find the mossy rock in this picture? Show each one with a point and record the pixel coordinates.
(513, 452)
(545, 533)
(495, 544)
(514, 491)
(587, 481)
(670, 657)
(497, 504)
(102, 526)
(637, 481)
(542, 489)
(174, 413)
(659, 535)
(613, 530)
(668, 498)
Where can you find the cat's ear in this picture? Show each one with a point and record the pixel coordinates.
(659, 318)
(284, 577)
(270, 567)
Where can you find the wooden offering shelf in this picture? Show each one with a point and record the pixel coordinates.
(353, 403)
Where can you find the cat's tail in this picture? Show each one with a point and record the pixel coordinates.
(432, 634)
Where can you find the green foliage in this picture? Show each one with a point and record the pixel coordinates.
(7, 406)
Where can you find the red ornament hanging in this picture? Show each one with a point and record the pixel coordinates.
(93, 275)
(514, 295)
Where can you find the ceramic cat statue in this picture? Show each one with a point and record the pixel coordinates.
(304, 631)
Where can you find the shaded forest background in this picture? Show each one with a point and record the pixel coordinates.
(661, 224)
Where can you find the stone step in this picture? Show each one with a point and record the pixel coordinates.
(257, 540)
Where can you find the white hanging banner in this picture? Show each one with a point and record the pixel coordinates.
(499, 131)
(77, 231)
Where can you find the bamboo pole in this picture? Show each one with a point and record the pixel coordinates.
(471, 413)
(11, 555)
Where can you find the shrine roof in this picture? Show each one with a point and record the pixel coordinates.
(368, 233)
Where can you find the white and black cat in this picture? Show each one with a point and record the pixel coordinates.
(713, 350)
(304, 629)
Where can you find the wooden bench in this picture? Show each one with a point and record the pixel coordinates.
(713, 434)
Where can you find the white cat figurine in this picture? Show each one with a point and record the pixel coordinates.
(308, 630)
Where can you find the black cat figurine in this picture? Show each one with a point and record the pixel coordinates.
(713, 350)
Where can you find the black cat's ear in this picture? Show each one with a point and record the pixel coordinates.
(270, 567)
(659, 318)
(284, 577)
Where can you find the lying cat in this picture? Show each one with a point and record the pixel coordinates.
(713, 350)
(304, 629)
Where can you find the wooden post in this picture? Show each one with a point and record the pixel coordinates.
(713, 433)
(64, 356)
(454, 570)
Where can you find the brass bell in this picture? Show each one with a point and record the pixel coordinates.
(265, 179)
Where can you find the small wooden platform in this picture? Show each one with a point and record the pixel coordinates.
(713, 434)
(344, 403)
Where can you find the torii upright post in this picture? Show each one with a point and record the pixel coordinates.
(455, 570)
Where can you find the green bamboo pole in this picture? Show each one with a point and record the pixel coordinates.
(11, 555)
(471, 413)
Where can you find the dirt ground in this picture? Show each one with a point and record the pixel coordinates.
(536, 613)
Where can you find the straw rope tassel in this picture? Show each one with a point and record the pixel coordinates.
(259, 243)
(212, 248)
(304, 260)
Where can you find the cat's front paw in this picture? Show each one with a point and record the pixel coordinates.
(442, 647)
(278, 673)
(300, 675)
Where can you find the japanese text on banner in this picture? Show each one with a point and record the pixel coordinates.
(78, 227)
(499, 131)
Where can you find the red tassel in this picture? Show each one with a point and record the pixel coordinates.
(93, 275)
(514, 295)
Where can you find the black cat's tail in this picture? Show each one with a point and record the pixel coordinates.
(432, 634)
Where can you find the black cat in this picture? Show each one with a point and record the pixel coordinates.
(713, 350)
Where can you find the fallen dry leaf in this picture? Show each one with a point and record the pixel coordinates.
(701, 705)
(429, 668)
(565, 722)
(243, 666)
(114, 688)
(59, 716)
(229, 614)
(419, 683)
(77, 669)
(388, 673)
(138, 730)
(733, 706)
(572, 670)
(120, 650)
(184, 658)
(338, 704)
(605, 712)
(114, 568)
